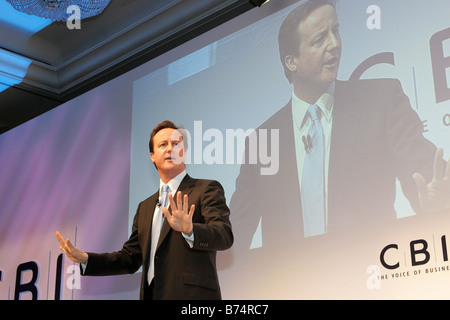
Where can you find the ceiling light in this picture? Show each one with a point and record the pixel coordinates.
(28, 24)
(56, 10)
(258, 3)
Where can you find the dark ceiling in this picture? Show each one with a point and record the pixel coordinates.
(67, 63)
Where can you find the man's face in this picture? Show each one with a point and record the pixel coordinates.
(168, 152)
(317, 64)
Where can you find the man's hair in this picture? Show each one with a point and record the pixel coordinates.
(164, 125)
(288, 37)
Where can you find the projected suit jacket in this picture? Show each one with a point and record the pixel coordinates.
(181, 272)
(376, 138)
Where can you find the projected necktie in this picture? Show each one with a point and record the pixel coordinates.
(313, 177)
(156, 229)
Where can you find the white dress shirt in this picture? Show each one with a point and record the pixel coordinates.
(301, 128)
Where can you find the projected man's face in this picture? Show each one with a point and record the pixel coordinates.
(168, 152)
(317, 64)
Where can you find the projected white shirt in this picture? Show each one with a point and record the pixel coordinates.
(301, 127)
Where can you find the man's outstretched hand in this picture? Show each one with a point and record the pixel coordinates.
(72, 252)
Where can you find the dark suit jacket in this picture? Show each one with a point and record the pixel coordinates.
(376, 138)
(181, 272)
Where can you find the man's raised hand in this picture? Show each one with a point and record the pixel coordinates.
(180, 219)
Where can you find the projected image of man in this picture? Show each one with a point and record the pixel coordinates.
(343, 145)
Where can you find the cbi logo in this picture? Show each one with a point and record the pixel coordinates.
(415, 254)
(418, 252)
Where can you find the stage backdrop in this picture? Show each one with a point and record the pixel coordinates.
(83, 167)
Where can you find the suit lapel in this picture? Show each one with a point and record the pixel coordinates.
(289, 170)
(147, 224)
(346, 117)
(289, 173)
(286, 178)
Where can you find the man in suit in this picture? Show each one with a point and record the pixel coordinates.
(179, 257)
(371, 137)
